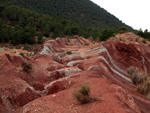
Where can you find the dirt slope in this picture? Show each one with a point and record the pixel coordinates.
(62, 65)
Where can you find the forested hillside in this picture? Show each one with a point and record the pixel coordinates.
(20, 25)
(83, 12)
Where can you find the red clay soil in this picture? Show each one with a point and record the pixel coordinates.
(111, 98)
(48, 86)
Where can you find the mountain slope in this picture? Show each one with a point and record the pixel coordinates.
(19, 26)
(80, 11)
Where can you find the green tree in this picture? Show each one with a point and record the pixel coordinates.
(40, 38)
(106, 34)
(67, 30)
(75, 30)
(56, 33)
(4, 37)
(146, 34)
(122, 30)
(140, 33)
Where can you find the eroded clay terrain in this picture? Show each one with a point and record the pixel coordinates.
(62, 65)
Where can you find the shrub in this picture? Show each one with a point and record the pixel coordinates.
(22, 54)
(131, 70)
(26, 67)
(135, 76)
(46, 34)
(140, 80)
(107, 33)
(75, 30)
(68, 52)
(82, 95)
(85, 90)
(144, 89)
(71, 43)
(122, 30)
(25, 46)
(87, 44)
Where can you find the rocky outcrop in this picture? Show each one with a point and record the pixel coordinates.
(55, 73)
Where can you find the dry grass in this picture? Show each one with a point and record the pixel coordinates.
(134, 75)
(144, 89)
(57, 57)
(140, 80)
(19, 69)
(82, 94)
(131, 71)
(71, 43)
(26, 67)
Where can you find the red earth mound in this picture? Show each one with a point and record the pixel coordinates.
(47, 82)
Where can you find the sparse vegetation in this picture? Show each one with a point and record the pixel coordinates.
(26, 67)
(82, 94)
(133, 72)
(144, 88)
(140, 80)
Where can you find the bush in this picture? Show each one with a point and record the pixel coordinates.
(140, 80)
(25, 46)
(131, 70)
(22, 54)
(68, 52)
(82, 95)
(122, 30)
(85, 90)
(46, 34)
(26, 67)
(135, 76)
(40, 38)
(144, 89)
(87, 44)
(75, 30)
(107, 33)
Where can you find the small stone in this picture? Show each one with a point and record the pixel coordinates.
(53, 95)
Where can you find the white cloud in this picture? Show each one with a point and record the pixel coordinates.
(134, 13)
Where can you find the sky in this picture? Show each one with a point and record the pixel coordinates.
(135, 13)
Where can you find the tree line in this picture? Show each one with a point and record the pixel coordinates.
(145, 34)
